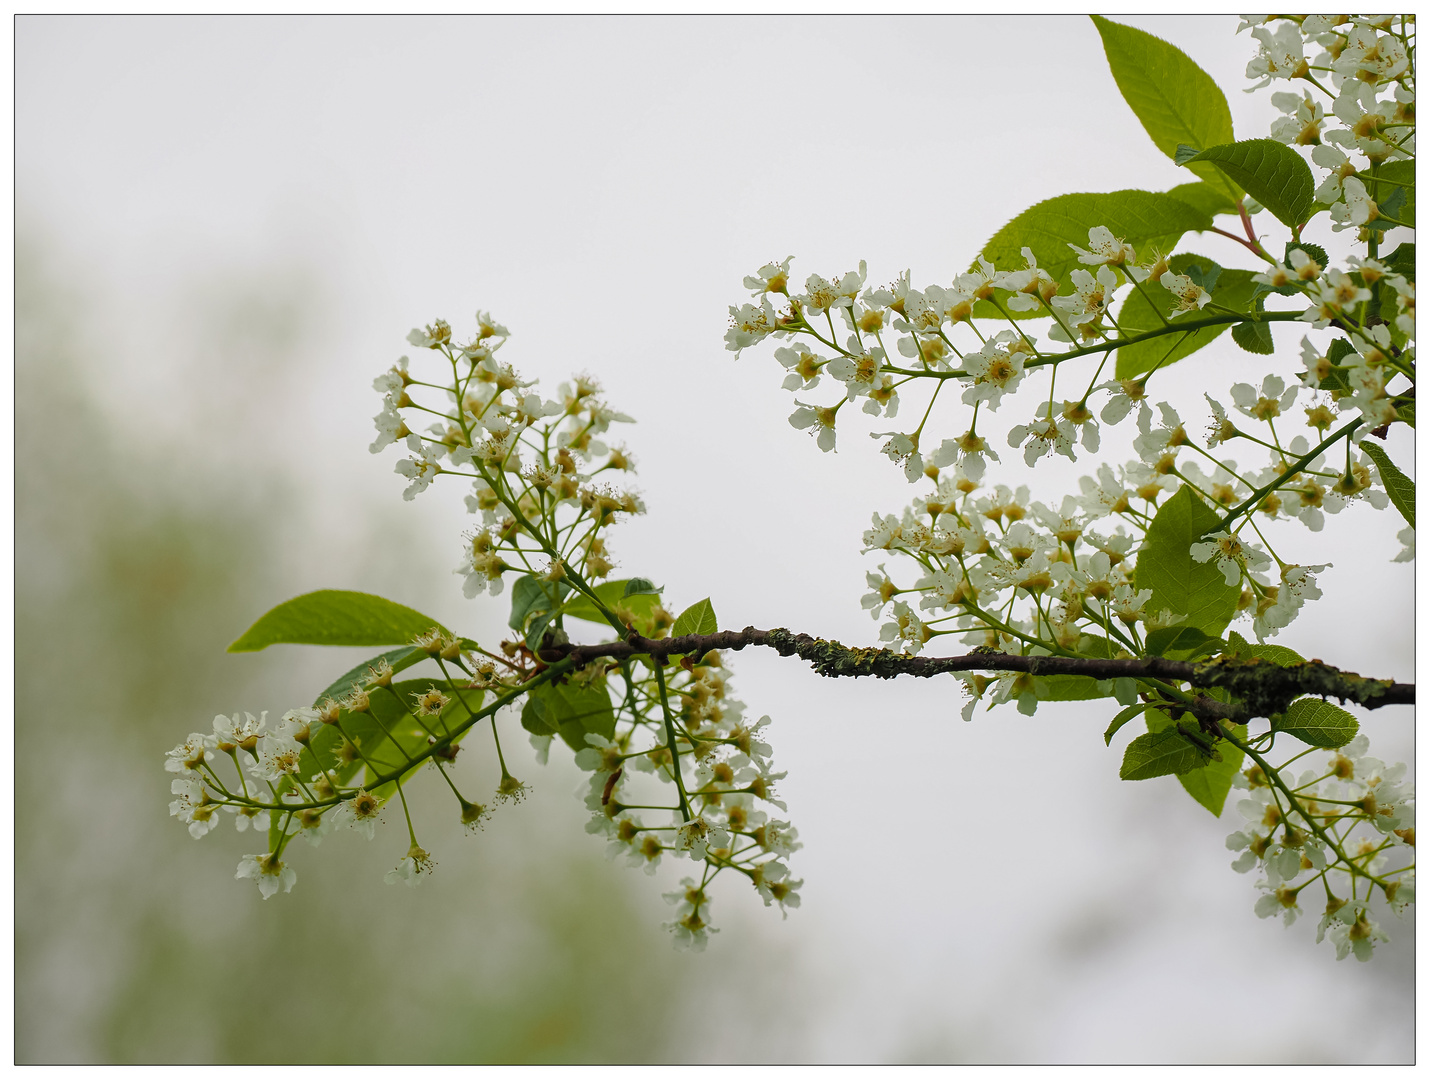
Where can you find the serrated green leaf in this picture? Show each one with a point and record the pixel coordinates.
(698, 618)
(570, 711)
(1208, 784)
(1317, 723)
(1144, 219)
(637, 586)
(1254, 337)
(1269, 171)
(1315, 251)
(336, 617)
(1147, 309)
(1176, 101)
(1121, 719)
(1164, 753)
(1180, 642)
(1279, 655)
(1338, 350)
(1398, 486)
(1178, 582)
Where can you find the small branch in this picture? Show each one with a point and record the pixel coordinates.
(1264, 688)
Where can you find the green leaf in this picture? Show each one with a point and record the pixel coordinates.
(1175, 99)
(1254, 337)
(1403, 172)
(1181, 642)
(532, 596)
(1271, 173)
(638, 585)
(405, 736)
(374, 731)
(1096, 645)
(570, 711)
(1178, 582)
(1404, 409)
(1148, 308)
(636, 608)
(1402, 260)
(336, 617)
(1142, 218)
(1125, 691)
(1208, 784)
(698, 618)
(1163, 753)
(1127, 714)
(1070, 688)
(1317, 723)
(1279, 655)
(1398, 486)
(1315, 251)
(1210, 199)
(399, 659)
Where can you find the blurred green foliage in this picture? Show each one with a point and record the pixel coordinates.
(133, 942)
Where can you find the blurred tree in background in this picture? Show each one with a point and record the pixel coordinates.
(135, 566)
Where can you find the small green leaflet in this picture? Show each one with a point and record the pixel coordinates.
(1178, 582)
(1238, 646)
(1254, 337)
(336, 617)
(1271, 172)
(698, 618)
(1317, 723)
(1129, 713)
(1398, 486)
(1208, 784)
(1175, 99)
(1181, 642)
(1315, 251)
(1163, 753)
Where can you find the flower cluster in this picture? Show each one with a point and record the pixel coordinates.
(1347, 826)
(1005, 572)
(539, 476)
(725, 790)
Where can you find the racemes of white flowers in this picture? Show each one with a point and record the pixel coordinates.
(1081, 333)
(997, 570)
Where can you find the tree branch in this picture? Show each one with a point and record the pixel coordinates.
(1262, 687)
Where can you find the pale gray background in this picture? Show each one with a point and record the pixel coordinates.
(234, 223)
